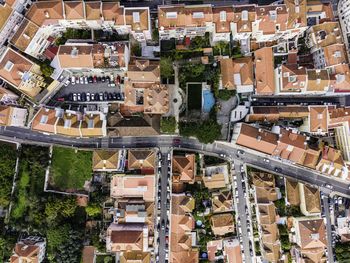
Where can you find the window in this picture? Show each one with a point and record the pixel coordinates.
(245, 15)
(222, 16)
(198, 15)
(136, 17)
(292, 78)
(171, 15)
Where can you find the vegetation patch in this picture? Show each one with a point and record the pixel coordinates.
(168, 124)
(8, 156)
(206, 132)
(70, 168)
(225, 94)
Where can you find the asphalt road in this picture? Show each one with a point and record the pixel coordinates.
(328, 229)
(164, 203)
(224, 150)
(242, 204)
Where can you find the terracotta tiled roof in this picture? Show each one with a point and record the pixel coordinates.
(88, 254)
(318, 80)
(135, 257)
(236, 72)
(296, 13)
(267, 213)
(5, 12)
(141, 159)
(262, 179)
(292, 191)
(258, 139)
(133, 186)
(318, 119)
(45, 11)
(265, 194)
(144, 71)
(69, 124)
(137, 19)
(271, 251)
(13, 66)
(244, 16)
(222, 224)
(105, 160)
(93, 10)
(45, 120)
(264, 71)
(112, 11)
(75, 56)
(272, 16)
(74, 10)
(275, 113)
(25, 253)
(232, 251)
(340, 79)
(335, 54)
(312, 199)
(24, 35)
(293, 78)
(326, 34)
(222, 201)
(183, 168)
(182, 204)
(125, 237)
(223, 17)
(312, 233)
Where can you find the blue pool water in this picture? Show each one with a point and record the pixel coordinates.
(208, 100)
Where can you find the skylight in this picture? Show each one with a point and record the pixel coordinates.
(244, 15)
(171, 15)
(222, 16)
(198, 15)
(8, 65)
(43, 119)
(136, 17)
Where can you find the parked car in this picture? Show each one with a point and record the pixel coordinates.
(97, 97)
(88, 98)
(79, 97)
(73, 80)
(117, 79)
(101, 96)
(90, 79)
(86, 81)
(67, 82)
(60, 99)
(81, 80)
(83, 96)
(103, 79)
(92, 96)
(98, 79)
(105, 95)
(266, 160)
(75, 97)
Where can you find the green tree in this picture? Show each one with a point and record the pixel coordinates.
(136, 50)
(225, 94)
(168, 124)
(46, 69)
(57, 236)
(93, 210)
(56, 207)
(166, 68)
(206, 132)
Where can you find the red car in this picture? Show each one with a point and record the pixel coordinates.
(94, 79)
(117, 80)
(60, 99)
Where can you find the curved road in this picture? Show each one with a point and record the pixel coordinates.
(224, 150)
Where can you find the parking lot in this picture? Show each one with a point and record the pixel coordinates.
(90, 90)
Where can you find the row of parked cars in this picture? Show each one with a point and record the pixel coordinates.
(109, 79)
(87, 97)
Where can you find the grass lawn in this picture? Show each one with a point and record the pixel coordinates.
(70, 169)
(194, 96)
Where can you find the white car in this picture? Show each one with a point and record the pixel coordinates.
(73, 80)
(67, 82)
(266, 160)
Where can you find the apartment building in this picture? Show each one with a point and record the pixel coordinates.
(51, 18)
(96, 58)
(311, 239)
(237, 74)
(69, 123)
(264, 71)
(21, 73)
(13, 116)
(243, 23)
(11, 17)
(344, 20)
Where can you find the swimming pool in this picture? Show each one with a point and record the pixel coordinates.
(208, 100)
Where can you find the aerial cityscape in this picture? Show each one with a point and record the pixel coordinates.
(174, 131)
